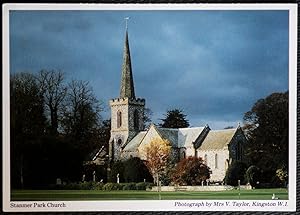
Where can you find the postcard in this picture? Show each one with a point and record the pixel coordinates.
(149, 107)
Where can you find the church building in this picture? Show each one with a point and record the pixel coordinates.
(218, 148)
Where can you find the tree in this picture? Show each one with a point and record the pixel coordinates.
(136, 171)
(235, 172)
(54, 91)
(82, 116)
(117, 168)
(191, 171)
(282, 176)
(267, 132)
(28, 125)
(174, 119)
(156, 155)
(104, 134)
(147, 117)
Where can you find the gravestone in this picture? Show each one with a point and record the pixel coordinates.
(94, 176)
(58, 181)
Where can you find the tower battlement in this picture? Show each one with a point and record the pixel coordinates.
(126, 101)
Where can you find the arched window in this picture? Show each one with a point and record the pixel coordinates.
(183, 155)
(238, 151)
(119, 142)
(205, 159)
(119, 119)
(226, 164)
(136, 120)
(216, 161)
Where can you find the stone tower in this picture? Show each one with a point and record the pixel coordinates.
(127, 111)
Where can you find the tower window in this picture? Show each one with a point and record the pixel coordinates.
(119, 142)
(119, 119)
(183, 155)
(238, 151)
(136, 120)
(205, 159)
(216, 161)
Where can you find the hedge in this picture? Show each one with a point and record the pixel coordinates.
(102, 186)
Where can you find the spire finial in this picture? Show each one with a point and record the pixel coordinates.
(126, 22)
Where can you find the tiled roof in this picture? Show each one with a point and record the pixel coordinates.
(217, 139)
(186, 136)
(135, 142)
(170, 134)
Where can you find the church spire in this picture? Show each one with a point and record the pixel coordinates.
(127, 86)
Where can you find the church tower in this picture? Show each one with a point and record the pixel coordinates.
(127, 111)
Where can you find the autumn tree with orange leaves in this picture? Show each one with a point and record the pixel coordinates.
(156, 155)
(191, 171)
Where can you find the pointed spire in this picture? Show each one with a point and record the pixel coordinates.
(127, 86)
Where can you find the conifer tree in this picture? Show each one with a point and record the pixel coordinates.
(175, 119)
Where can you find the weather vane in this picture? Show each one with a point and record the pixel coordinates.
(126, 20)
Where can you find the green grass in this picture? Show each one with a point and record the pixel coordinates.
(82, 195)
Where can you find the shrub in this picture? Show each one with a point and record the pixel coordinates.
(98, 186)
(71, 186)
(235, 172)
(136, 171)
(86, 185)
(252, 175)
(129, 186)
(111, 186)
(141, 186)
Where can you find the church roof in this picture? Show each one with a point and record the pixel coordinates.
(170, 134)
(186, 136)
(127, 86)
(217, 139)
(135, 142)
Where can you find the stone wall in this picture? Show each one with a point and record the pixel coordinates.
(193, 188)
(218, 170)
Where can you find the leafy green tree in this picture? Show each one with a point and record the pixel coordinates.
(174, 119)
(190, 171)
(136, 171)
(282, 176)
(235, 172)
(117, 168)
(267, 132)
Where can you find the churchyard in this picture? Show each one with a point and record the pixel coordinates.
(83, 195)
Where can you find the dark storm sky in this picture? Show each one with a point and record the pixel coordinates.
(212, 64)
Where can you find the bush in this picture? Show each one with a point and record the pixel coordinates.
(143, 185)
(98, 186)
(252, 175)
(235, 172)
(111, 186)
(136, 171)
(129, 186)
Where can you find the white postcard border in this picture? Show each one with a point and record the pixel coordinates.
(154, 205)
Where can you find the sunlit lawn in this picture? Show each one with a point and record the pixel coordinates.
(81, 195)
